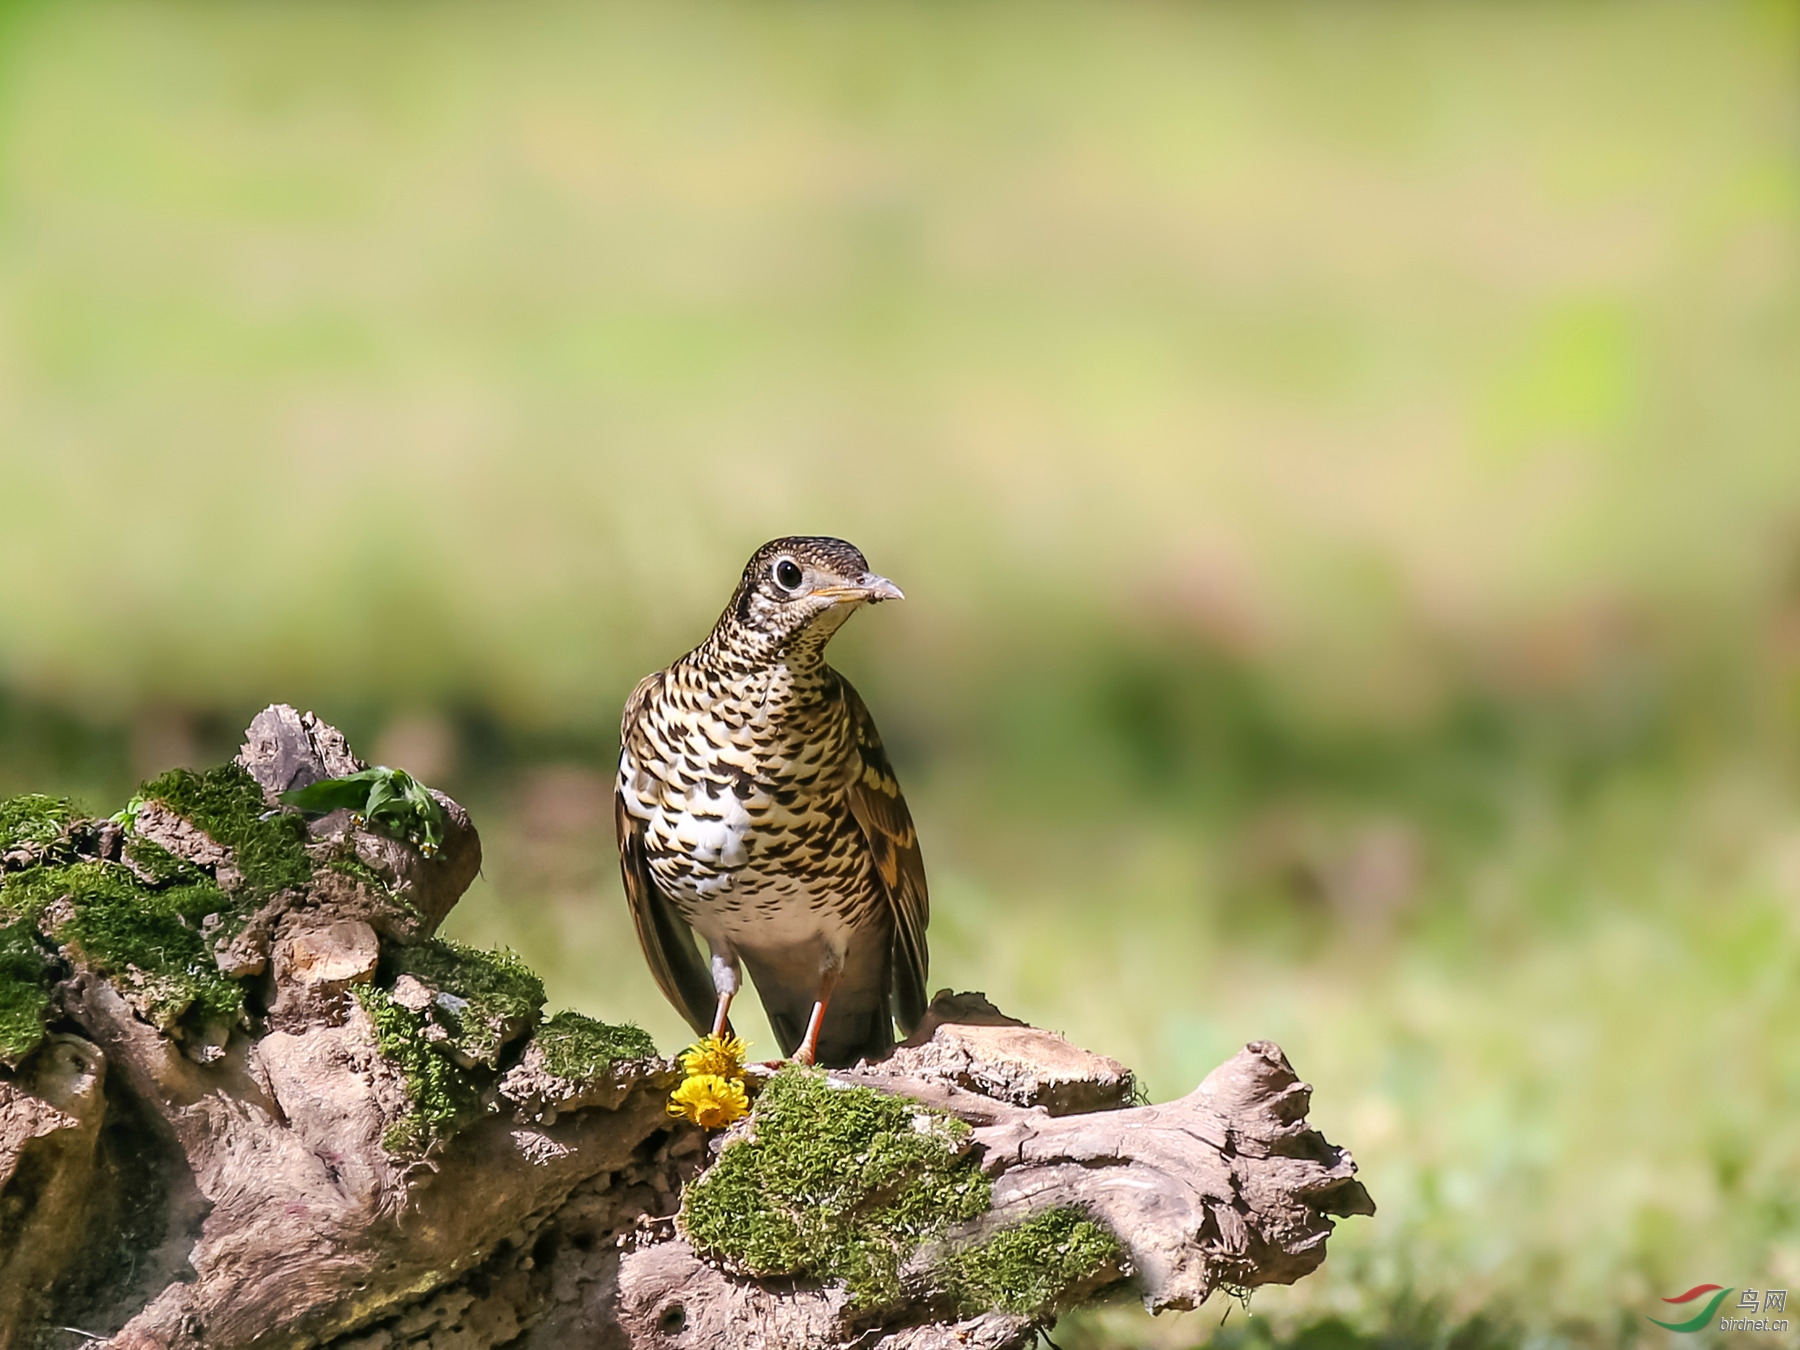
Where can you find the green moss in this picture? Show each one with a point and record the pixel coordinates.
(27, 894)
(228, 804)
(148, 939)
(146, 926)
(579, 1047)
(345, 862)
(493, 996)
(483, 1000)
(33, 821)
(156, 863)
(834, 1184)
(24, 895)
(442, 1095)
(149, 926)
(1031, 1267)
(24, 991)
(122, 927)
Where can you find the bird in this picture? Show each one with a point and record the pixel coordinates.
(756, 807)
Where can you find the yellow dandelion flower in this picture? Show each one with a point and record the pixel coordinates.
(721, 1055)
(710, 1101)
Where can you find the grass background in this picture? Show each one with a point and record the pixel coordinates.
(1344, 462)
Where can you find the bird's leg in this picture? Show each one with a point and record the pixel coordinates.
(809, 1043)
(725, 981)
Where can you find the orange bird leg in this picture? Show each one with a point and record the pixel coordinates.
(809, 1044)
(721, 1019)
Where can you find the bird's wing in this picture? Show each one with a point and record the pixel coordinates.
(887, 825)
(634, 703)
(667, 941)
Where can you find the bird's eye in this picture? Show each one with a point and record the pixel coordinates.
(788, 575)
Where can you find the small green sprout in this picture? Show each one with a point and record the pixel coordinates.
(389, 800)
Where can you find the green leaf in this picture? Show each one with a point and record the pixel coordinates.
(335, 794)
(381, 792)
(390, 800)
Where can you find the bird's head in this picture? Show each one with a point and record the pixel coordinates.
(797, 592)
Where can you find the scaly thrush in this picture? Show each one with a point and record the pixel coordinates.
(755, 804)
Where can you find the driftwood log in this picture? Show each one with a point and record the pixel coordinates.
(168, 1180)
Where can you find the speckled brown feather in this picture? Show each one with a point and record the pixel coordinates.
(756, 804)
(893, 842)
(668, 943)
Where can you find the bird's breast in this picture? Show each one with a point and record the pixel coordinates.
(745, 811)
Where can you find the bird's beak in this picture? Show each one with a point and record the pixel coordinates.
(867, 589)
(876, 589)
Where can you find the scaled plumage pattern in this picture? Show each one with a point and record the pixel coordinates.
(756, 805)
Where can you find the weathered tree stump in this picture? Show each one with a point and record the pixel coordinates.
(247, 1098)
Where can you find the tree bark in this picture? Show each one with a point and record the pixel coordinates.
(165, 1186)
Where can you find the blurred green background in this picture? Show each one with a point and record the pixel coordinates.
(1344, 461)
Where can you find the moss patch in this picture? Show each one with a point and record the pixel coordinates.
(228, 804)
(148, 940)
(579, 1047)
(1031, 1267)
(345, 862)
(24, 991)
(33, 821)
(145, 926)
(157, 865)
(442, 1095)
(482, 1001)
(834, 1184)
(492, 997)
(25, 895)
(149, 926)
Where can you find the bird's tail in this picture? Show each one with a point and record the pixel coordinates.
(858, 1023)
(844, 1039)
